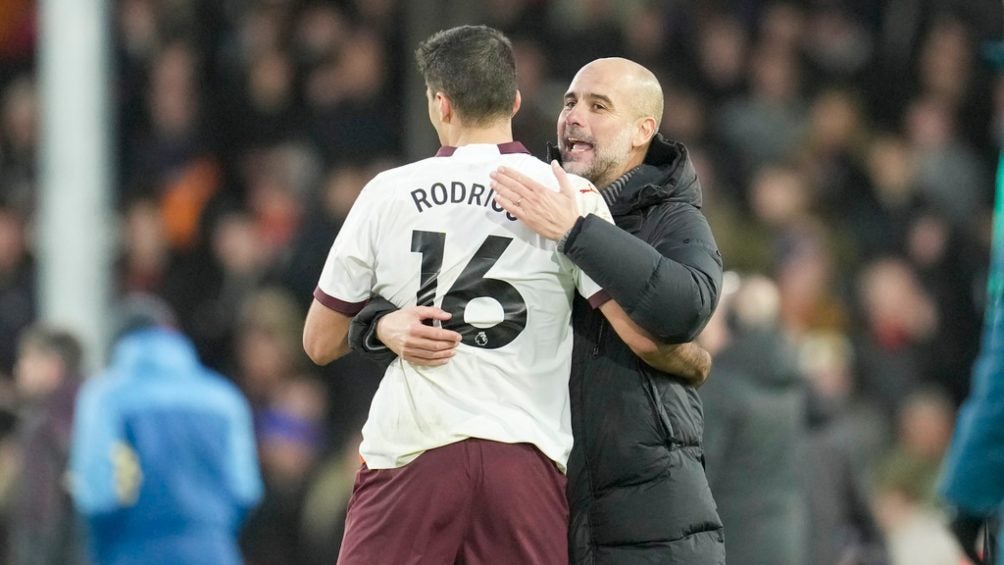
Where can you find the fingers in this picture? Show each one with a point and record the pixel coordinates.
(537, 206)
(563, 182)
(428, 346)
(516, 181)
(432, 334)
(428, 357)
(510, 205)
(430, 352)
(514, 186)
(509, 191)
(432, 313)
(424, 362)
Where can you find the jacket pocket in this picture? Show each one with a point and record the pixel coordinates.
(658, 408)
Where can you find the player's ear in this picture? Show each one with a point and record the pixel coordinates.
(445, 107)
(517, 102)
(644, 131)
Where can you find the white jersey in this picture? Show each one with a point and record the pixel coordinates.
(430, 233)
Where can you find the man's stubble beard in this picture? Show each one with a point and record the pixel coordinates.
(605, 167)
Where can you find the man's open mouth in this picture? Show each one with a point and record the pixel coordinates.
(577, 146)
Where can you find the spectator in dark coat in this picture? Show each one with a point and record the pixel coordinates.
(17, 283)
(845, 435)
(754, 429)
(45, 528)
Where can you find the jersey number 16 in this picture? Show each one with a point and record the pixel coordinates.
(469, 285)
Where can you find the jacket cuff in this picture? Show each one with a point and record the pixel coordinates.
(626, 267)
(619, 262)
(567, 239)
(362, 331)
(371, 343)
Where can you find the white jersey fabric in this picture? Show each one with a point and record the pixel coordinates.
(430, 233)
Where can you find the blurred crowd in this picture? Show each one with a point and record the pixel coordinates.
(846, 149)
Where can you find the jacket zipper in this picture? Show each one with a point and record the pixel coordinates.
(599, 338)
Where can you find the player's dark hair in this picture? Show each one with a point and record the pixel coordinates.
(475, 67)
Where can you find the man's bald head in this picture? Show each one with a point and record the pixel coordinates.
(641, 88)
(612, 110)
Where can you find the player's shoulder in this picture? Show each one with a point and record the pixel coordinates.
(584, 185)
(530, 165)
(542, 173)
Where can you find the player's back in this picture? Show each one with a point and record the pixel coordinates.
(433, 235)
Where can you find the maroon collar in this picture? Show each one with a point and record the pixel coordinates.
(510, 147)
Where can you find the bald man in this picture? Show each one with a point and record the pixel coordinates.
(636, 484)
(637, 488)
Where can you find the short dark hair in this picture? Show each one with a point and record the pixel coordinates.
(59, 342)
(475, 67)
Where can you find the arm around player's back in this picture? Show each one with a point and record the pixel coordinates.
(685, 360)
(405, 333)
(669, 287)
(381, 333)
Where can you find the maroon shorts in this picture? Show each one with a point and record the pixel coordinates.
(471, 502)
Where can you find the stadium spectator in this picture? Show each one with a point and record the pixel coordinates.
(894, 348)
(844, 434)
(755, 430)
(18, 143)
(45, 527)
(290, 439)
(163, 458)
(17, 283)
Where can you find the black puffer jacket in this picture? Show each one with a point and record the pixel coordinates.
(637, 488)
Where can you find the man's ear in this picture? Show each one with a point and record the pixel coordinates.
(445, 107)
(517, 102)
(645, 130)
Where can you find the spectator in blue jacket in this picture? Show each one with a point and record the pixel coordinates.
(163, 457)
(973, 478)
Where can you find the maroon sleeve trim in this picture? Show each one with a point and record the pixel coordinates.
(599, 299)
(342, 307)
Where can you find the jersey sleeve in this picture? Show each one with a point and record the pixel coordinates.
(347, 278)
(591, 202)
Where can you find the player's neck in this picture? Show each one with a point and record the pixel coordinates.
(460, 135)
